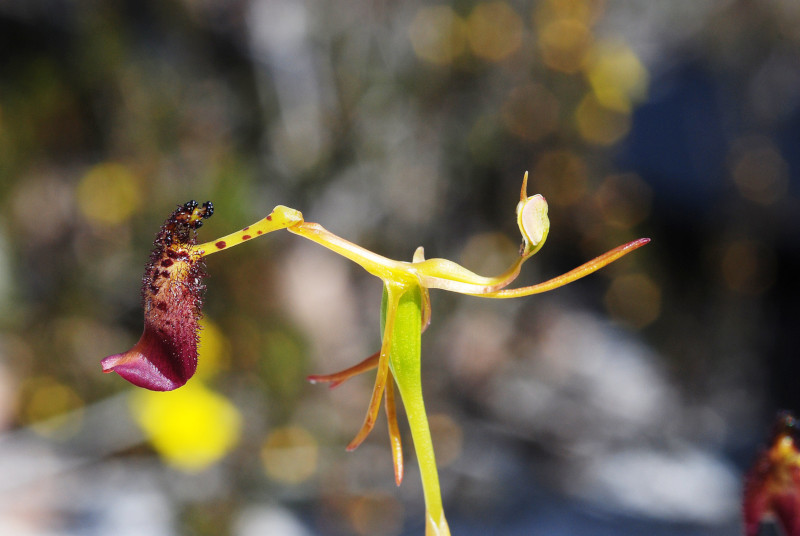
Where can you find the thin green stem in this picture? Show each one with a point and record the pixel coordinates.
(405, 362)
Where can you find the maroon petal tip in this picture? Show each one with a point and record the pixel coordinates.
(141, 372)
(154, 363)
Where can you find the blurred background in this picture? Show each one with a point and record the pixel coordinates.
(630, 402)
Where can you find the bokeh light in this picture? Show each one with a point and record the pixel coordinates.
(599, 124)
(108, 194)
(586, 11)
(747, 267)
(759, 171)
(624, 200)
(565, 34)
(438, 34)
(290, 455)
(488, 253)
(639, 312)
(398, 125)
(565, 44)
(562, 174)
(617, 76)
(494, 30)
(448, 436)
(531, 112)
(376, 514)
(45, 401)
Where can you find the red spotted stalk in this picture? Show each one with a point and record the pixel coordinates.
(166, 356)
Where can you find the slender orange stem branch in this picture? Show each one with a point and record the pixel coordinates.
(337, 378)
(394, 433)
(573, 275)
(383, 369)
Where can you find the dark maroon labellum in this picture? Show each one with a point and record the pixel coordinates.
(172, 295)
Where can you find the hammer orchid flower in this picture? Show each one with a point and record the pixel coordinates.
(165, 356)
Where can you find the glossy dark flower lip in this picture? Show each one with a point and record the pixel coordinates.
(165, 357)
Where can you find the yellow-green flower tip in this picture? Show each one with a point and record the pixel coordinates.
(533, 223)
(434, 527)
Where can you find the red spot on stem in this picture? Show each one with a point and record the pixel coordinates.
(260, 232)
(269, 217)
(221, 244)
(246, 237)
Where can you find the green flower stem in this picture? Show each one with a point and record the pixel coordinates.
(405, 362)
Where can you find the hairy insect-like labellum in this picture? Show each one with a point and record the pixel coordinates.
(172, 294)
(772, 487)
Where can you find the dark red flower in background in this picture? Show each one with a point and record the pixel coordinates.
(772, 487)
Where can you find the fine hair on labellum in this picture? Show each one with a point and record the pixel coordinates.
(172, 297)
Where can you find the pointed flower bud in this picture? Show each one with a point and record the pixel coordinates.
(532, 220)
(172, 294)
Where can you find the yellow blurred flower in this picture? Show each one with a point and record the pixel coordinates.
(191, 428)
